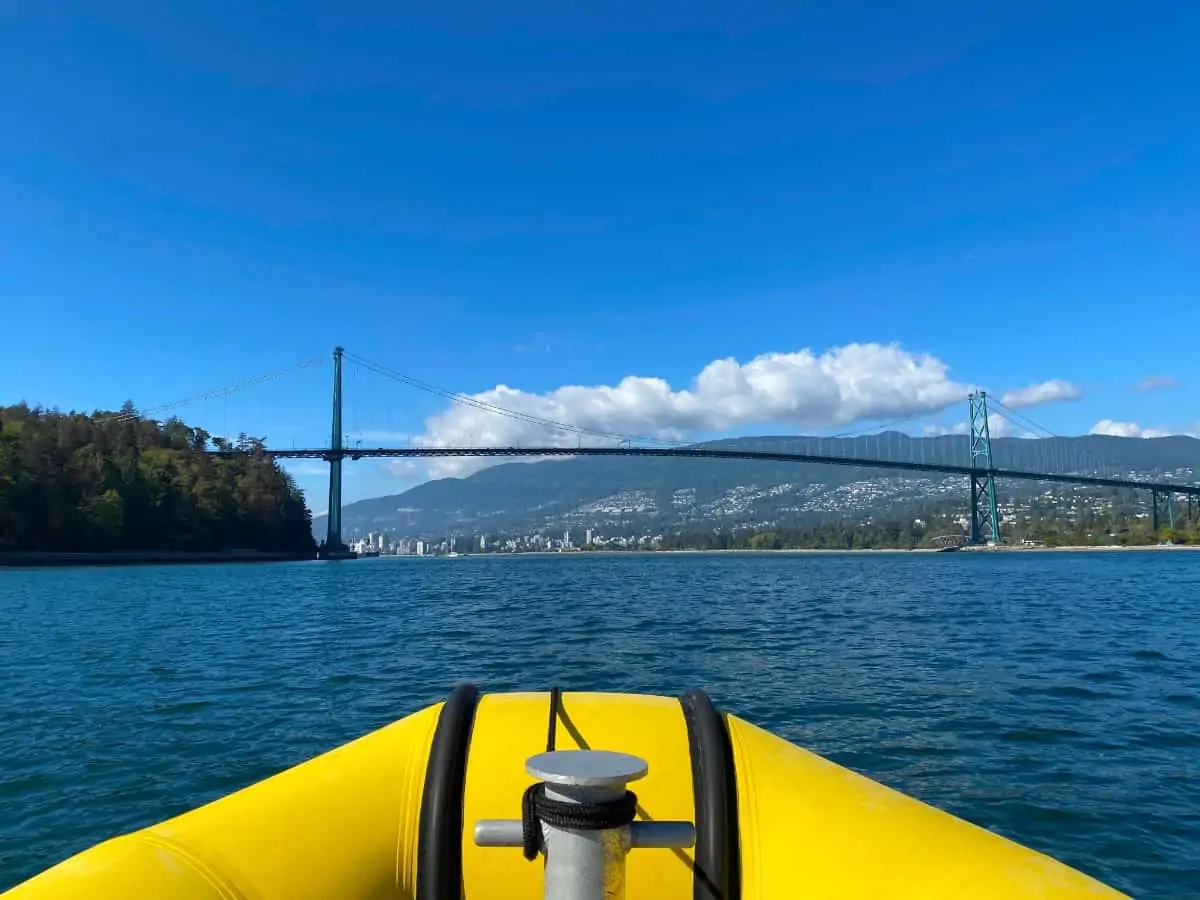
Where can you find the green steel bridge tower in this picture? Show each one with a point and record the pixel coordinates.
(333, 546)
(985, 518)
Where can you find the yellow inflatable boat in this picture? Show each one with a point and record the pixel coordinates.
(686, 803)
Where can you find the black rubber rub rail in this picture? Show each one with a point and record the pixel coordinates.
(439, 833)
(717, 873)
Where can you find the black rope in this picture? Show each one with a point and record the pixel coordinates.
(537, 808)
(552, 730)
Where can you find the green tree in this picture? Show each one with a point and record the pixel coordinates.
(105, 518)
(115, 481)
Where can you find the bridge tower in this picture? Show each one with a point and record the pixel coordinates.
(985, 518)
(333, 535)
(1158, 500)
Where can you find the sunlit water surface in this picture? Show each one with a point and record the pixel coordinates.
(1054, 698)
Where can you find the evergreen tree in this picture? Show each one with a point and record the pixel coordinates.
(116, 481)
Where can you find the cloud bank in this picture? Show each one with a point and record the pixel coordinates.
(801, 390)
(1133, 430)
(943, 430)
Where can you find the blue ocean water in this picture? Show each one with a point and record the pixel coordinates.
(1052, 697)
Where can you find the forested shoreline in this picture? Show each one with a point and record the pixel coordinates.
(116, 482)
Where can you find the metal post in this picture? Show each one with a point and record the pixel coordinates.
(333, 534)
(583, 863)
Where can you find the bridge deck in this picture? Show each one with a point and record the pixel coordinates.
(713, 453)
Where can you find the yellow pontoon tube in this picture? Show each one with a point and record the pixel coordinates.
(720, 810)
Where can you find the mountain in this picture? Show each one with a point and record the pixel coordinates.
(635, 491)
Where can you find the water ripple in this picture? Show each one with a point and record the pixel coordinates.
(1050, 697)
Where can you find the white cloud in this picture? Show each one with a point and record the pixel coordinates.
(843, 385)
(941, 430)
(1043, 392)
(802, 390)
(1157, 383)
(1133, 430)
(999, 427)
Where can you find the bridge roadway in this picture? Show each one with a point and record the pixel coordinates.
(713, 453)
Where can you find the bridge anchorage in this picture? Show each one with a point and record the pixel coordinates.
(980, 471)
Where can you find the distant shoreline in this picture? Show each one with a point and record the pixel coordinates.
(38, 560)
(583, 554)
(1001, 549)
(1087, 547)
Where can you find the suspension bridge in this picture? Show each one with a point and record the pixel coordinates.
(899, 454)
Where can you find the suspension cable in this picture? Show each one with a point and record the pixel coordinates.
(217, 392)
(467, 400)
(1023, 421)
(878, 427)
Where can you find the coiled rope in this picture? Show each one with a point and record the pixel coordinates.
(537, 808)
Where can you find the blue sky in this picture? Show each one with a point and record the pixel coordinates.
(540, 196)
